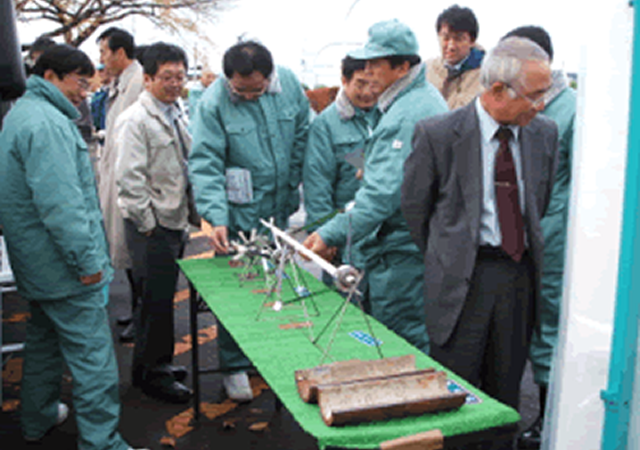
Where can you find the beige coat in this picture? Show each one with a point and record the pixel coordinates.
(151, 166)
(123, 92)
(458, 92)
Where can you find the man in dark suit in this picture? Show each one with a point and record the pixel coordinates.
(476, 185)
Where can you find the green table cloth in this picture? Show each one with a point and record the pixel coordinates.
(277, 353)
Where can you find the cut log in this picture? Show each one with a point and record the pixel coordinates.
(308, 380)
(402, 395)
(429, 440)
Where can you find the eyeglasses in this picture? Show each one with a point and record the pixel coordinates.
(83, 83)
(249, 92)
(167, 78)
(537, 100)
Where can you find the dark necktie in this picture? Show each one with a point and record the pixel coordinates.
(453, 72)
(507, 198)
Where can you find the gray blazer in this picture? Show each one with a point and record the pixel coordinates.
(442, 203)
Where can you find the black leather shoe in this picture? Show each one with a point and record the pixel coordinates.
(128, 334)
(167, 389)
(124, 320)
(531, 438)
(179, 372)
(138, 374)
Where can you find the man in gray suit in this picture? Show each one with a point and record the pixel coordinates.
(476, 185)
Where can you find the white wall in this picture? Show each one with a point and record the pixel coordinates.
(576, 412)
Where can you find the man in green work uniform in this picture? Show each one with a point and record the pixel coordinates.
(560, 105)
(393, 262)
(249, 138)
(56, 242)
(337, 138)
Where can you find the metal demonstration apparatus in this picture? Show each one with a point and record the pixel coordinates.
(275, 262)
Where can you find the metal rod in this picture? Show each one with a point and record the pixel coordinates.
(304, 251)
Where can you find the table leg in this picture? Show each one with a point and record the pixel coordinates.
(195, 357)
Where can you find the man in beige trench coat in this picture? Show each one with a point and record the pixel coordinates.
(117, 53)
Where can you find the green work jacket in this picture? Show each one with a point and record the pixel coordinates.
(49, 206)
(329, 180)
(376, 214)
(562, 109)
(265, 137)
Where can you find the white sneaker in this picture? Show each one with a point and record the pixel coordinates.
(63, 414)
(238, 387)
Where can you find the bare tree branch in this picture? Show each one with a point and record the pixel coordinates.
(77, 20)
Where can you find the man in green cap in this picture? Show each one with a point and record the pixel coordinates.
(391, 259)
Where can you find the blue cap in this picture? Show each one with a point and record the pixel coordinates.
(388, 38)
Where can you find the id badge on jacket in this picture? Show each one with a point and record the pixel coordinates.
(239, 186)
(355, 158)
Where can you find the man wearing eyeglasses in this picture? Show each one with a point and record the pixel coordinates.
(249, 137)
(560, 105)
(456, 74)
(58, 249)
(476, 187)
(153, 143)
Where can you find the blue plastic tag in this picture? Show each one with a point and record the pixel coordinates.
(365, 338)
(455, 387)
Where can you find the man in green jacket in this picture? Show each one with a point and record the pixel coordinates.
(56, 242)
(249, 137)
(560, 105)
(339, 133)
(392, 260)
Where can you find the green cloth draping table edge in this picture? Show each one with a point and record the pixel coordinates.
(277, 353)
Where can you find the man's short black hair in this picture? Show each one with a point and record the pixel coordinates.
(460, 20)
(398, 60)
(140, 49)
(351, 65)
(63, 60)
(536, 34)
(119, 38)
(41, 44)
(160, 53)
(245, 58)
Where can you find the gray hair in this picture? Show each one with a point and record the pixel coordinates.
(504, 61)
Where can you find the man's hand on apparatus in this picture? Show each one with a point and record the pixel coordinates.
(315, 243)
(218, 236)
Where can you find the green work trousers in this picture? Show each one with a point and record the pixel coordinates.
(395, 294)
(75, 331)
(544, 339)
(230, 355)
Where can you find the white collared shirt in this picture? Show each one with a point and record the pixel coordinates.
(489, 224)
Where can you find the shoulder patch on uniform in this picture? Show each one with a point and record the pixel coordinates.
(397, 144)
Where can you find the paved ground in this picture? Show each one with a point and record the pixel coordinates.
(147, 422)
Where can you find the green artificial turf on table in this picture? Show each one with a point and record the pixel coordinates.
(277, 353)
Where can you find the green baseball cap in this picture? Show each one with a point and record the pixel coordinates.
(387, 38)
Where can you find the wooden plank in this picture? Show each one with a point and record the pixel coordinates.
(429, 440)
(402, 395)
(308, 380)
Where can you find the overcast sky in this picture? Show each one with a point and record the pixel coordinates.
(311, 36)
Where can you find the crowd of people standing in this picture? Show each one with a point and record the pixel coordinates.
(439, 179)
